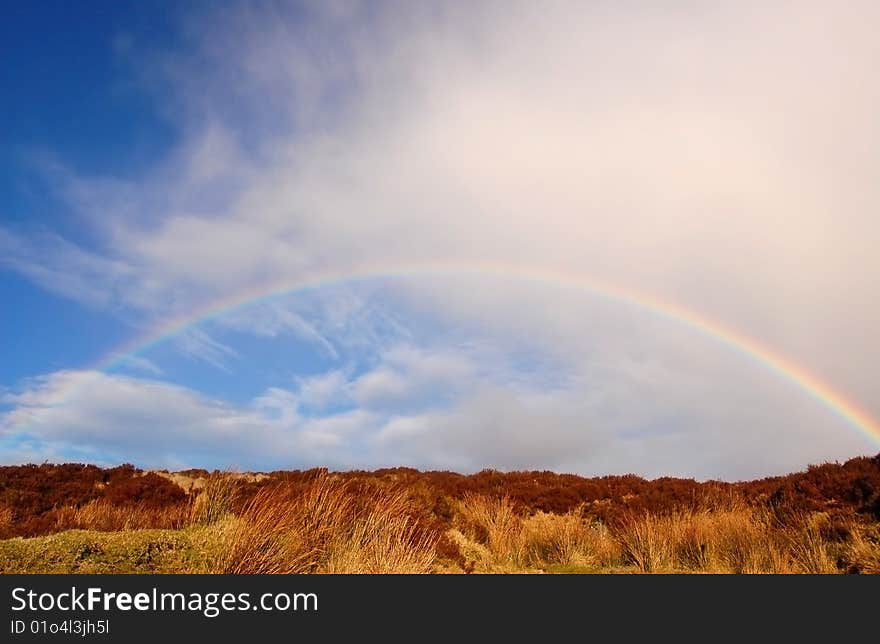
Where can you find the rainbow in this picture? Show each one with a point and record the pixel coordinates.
(773, 361)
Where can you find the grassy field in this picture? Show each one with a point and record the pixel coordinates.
(326, 524)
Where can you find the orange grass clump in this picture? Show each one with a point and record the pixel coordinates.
(324, 528)
(105, 516)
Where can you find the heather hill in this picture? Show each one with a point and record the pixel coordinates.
(32, 497)
(82, 518)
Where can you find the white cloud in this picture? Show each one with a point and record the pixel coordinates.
(273, 319)
(640, 416)
(719, 157)
(155, 423)
(319, 391)
(407, 373)
(63, 268)
(624, 144)
(197, 343)
(138, 363)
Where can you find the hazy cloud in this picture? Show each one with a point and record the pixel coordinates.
(722, 157)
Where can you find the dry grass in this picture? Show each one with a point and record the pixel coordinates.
(646, 542)
(739, 540)
(862, 552)
(6, 517)
(215, 500)
(735, 540)
(104, 516)
(809, 551)
(555, 538)
(569, 540)
(382, 539)
(724, 536)
(537, 541)
(324, 528)
(327, 525)
(494, 523)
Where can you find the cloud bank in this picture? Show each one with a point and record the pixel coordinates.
(719, 157)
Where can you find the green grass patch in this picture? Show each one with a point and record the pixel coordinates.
(133, 551)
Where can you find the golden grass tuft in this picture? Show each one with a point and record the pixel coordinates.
(809, 552)
(493, 523)
(215, 500)
(569, 540)
(740, 540)
(6, 517)
(324, 528)
(104, 516)
(862, 552)
(539, 540)
(646, 542)
(381, 543)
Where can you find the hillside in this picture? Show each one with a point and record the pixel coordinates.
(490, 521)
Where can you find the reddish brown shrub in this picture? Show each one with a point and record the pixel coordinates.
(847, 492)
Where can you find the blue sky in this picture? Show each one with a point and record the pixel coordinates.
(158, 159)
